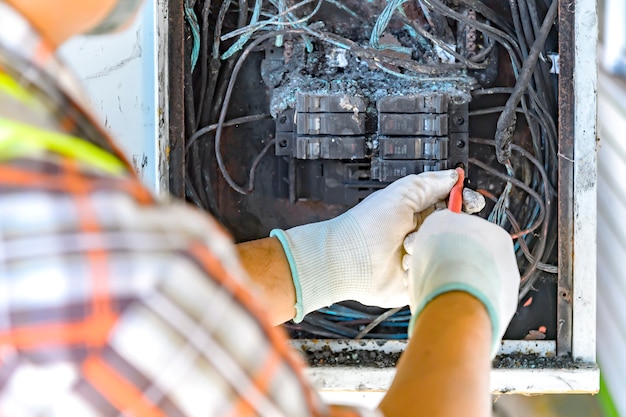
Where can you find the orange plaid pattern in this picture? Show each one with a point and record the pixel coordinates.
(111, 304)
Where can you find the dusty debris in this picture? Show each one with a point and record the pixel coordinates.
(534, 361)
(329, 70)
(356, 358)
(377, 359)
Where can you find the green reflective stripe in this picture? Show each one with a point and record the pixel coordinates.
(12, 88)
(605, 399)
(21, 140)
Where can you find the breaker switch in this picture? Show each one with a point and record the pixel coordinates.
(413, 147)
(394, 124)
(391, 170)
(330, 123)
(431, 103)
(330, 147)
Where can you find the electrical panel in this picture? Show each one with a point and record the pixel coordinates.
(286, 113)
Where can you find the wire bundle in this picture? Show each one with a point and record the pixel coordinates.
(354, 321)
(531, 172)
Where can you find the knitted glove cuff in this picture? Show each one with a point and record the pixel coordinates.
(441, 271)
(329, 262)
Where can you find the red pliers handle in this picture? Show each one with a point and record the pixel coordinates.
(455, 202)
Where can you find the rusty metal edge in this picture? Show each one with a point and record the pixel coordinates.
(176, 93)
(565, 197)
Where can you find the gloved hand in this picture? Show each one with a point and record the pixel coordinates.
(358, 255)
(458, 252)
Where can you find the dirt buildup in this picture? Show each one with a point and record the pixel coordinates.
(534, 361)
(356, 358)
(377, 359)
(332, 70)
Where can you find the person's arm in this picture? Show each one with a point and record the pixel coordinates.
(352, 257)
(445, 369)
(463, 281)
(267, 266)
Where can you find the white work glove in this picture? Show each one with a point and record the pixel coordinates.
(358, 255)
(459, 252)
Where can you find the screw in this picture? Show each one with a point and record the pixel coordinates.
(460, 144)
(459, 120)
(283, 119)
(282, 143)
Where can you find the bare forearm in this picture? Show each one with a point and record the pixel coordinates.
(445, 369)
(267, 266)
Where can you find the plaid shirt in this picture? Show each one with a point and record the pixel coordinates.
(112, 304)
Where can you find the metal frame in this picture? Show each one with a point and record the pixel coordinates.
(576, 311)
(176, 96)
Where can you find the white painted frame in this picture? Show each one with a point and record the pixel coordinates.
(163, 109)
(369, 384)
(585, 180)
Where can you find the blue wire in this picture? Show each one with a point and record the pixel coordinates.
(381, 24)
(192, 19)
(246, 36)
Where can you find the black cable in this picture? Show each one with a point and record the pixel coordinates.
(384, 316)
(506, 122)
(243, 13)
(519, 184)
(552, 269)
(525, 154)
(544, 67)
(219, 24)
(489, 14)
(543, 218)
(502, 37)
(443, 45)
(211, 128)
(204, 51)
(483, 55)
(530, 116)
(519, 31)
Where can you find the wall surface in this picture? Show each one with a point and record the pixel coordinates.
(120, 72)
(611, 306)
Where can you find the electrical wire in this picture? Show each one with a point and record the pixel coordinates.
(204, 55)
(274, 19)
(192, 21)
(506, 121)
(256, 12)
(378, 320)
(502, 37)
(381, 24)
(355, 321)
(234, 122)
(440, 43)
(519, 234)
